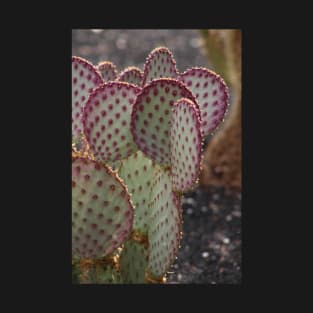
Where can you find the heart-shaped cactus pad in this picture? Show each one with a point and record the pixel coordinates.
(165, 225)
(211, 94)
(186, 141)
(108, 71)
(150, 120)
(85, 77)
(106, 120)
(131, 75)
(160, 63)
(102, 212)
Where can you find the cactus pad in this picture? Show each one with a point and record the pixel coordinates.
(160, 63)
(102, 213)
(165, 225)
(137, 172)
(106, 120)
(98, 274)
(131, 75)
(211, 94)
(85, 77)
(150, 120)
(108, 71)
(133, 262)
(186, 140)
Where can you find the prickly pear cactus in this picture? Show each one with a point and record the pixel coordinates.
(102, 213)
(85, 77)
(160, 63)
(131, 75)
(165, 228)
(108, 71)
(106, 120)
(133, 262)
(137, 172)
(140, 135)
(150, 124)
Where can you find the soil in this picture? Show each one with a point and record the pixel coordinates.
(210, 251)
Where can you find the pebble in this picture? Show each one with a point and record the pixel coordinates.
(204, 209)
(237, 213)
(121, 43)
(226, 241)
(196, 42)
(215, 196)
(189, 211)
(97, 31)
(214, 207)
(189, 201)
(228, 218)
(205, 254)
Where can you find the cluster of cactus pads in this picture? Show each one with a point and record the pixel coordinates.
(136, 148)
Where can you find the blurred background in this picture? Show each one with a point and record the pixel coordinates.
(210, 249)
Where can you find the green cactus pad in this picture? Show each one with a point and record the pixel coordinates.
(131, 75)
(98, 274)
(137, 172)
(108, 71)
(85, 77)
(133, 262)
(160, 63)
(211, 94)
(106, 275)
(165, 225)
(150, 119)
(102, 213)
(186, 140)
(106, 120)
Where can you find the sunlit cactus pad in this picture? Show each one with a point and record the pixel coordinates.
(108, 71)
(160, 63)
(150, 120)
(102, 213)
(186, 140)
(85, 77)
(133, 262)
(131, 75)
(165, 226)
(211, 94)
(137, 172)
(106, 120)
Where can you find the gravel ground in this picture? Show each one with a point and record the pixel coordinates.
(211, 245)
(210, 250)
